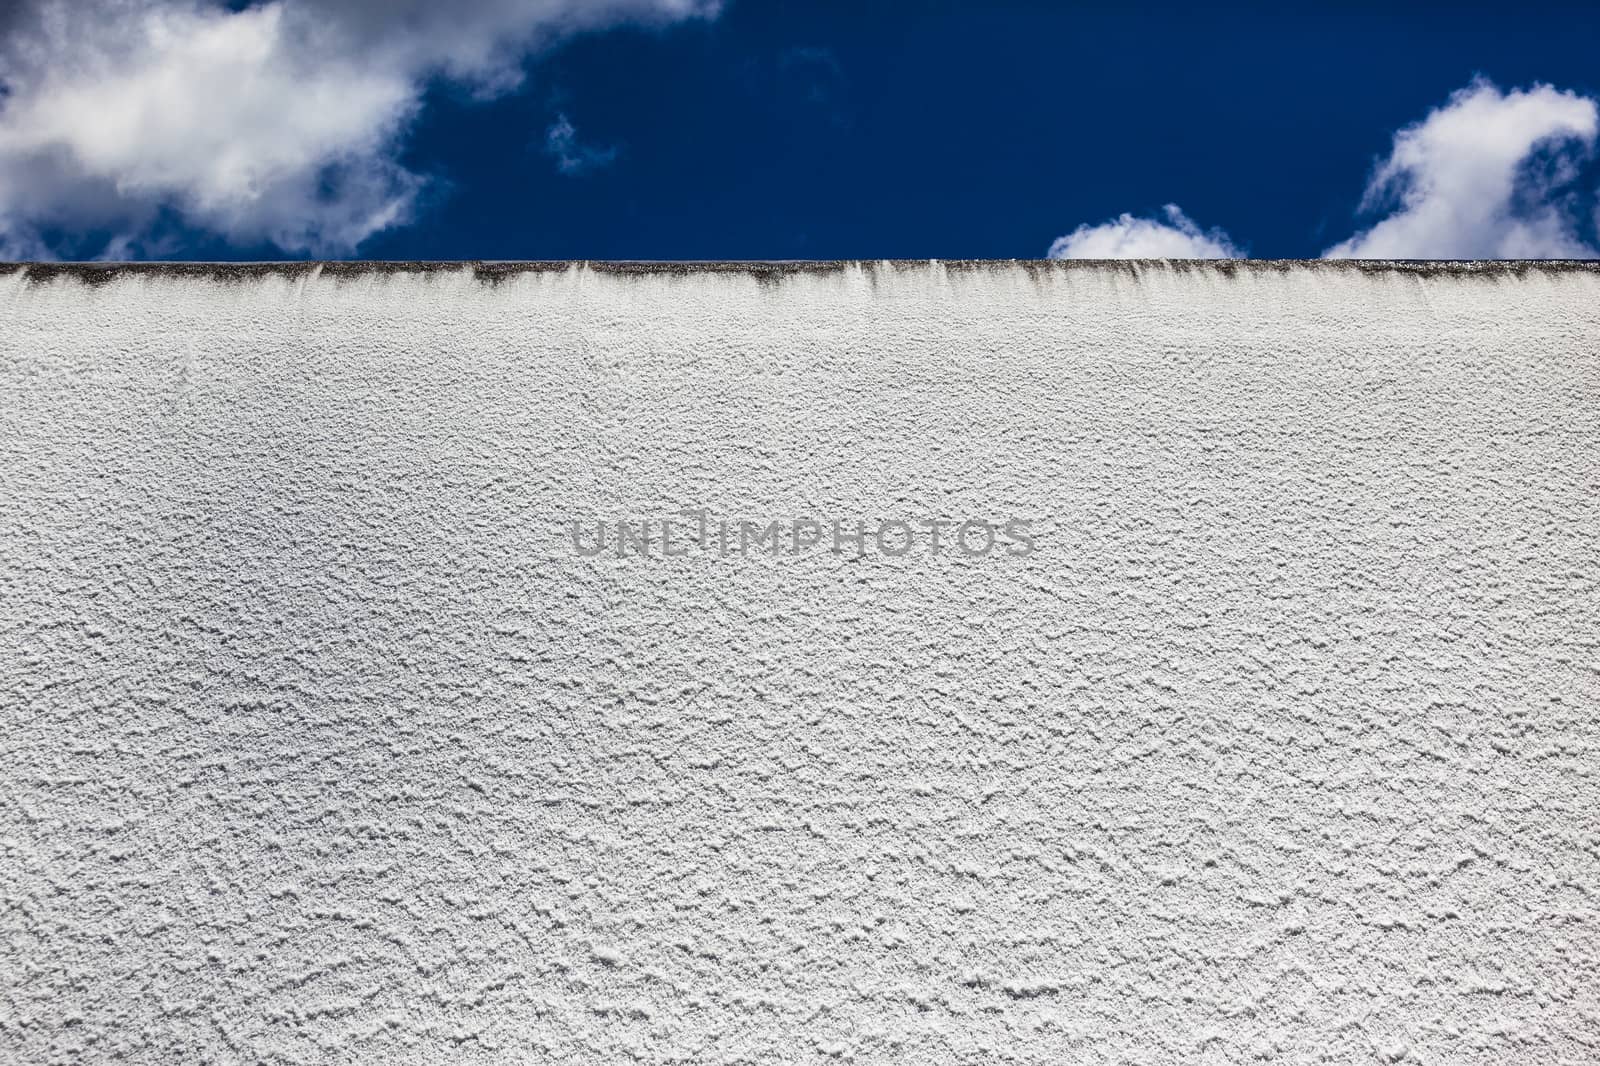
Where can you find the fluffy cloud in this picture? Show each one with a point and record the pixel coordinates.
(280, 122)
(1127, 237)
(1487, 176)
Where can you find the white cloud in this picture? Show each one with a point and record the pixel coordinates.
(280, 122)
(1486, 176)
(1127, 237)
(571, 156)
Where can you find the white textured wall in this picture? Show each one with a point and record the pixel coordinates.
(320, 744)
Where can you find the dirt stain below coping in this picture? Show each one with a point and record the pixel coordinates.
(493, 272)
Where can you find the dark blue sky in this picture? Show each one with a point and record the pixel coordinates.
(787, 130)
(953, 130)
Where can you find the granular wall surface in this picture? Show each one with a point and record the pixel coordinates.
(359, 706)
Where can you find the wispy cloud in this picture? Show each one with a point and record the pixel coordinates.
(1128, 237)
(814, 78)
(1490, 175)
(280, 122)
(573, 157)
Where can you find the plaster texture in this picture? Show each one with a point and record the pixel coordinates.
(321, 744)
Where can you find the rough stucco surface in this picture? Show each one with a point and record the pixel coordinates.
(321, 744)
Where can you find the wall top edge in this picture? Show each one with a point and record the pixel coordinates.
(497, 269)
